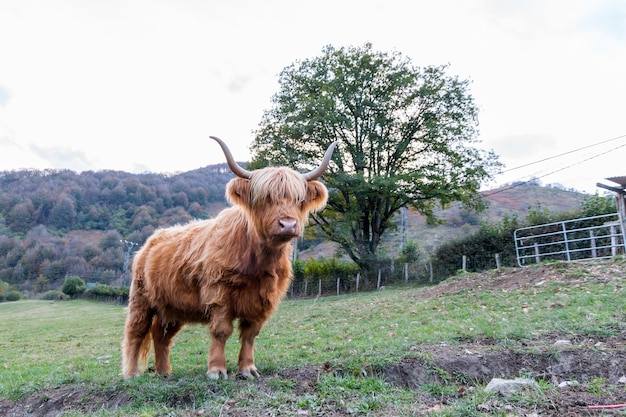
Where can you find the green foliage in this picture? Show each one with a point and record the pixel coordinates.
(55, 295)
(74, 285)
(298, 270)
(597, 205)
(406, 140)
(13, 295)
(327, 269)
(9, 292)
(102, 290)
(409, 253)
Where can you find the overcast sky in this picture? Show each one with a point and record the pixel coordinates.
(139, 85)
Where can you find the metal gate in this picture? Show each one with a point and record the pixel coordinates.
(581, 239)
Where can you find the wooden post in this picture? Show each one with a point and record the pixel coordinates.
(338, 285)
(537, 255)
(319, 291)
(464, 263)
(592, 244)
(406, 272)
(358, 278)
(378, 284)
(614, 242)
(498, 265)
(393, 268)
(306, 284)
(430, 267)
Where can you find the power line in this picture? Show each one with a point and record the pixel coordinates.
(518, 184)
(564, 153)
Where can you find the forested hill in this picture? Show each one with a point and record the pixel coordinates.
(59, 222)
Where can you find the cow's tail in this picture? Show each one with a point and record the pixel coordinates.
(144, 351)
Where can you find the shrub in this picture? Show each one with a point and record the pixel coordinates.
(102, 290)
(55, 295)
(74, 285)
(14, 296)
(326, 269)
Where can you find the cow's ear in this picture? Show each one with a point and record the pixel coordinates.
(316, 196)
(238, 191)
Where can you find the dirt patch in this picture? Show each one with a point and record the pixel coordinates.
(54, 402)
(480, 362)
(577, 368)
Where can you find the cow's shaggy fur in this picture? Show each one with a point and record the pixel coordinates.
(235, 266)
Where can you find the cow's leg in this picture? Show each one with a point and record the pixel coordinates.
(221, 327)
(248, 331)
(162, 336)
(136, 335)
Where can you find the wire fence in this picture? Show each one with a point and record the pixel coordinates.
(427, 272)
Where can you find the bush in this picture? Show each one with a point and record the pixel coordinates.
(101, 290)
(326, 269)
(74, 285)
(55, 295)
(13, 296)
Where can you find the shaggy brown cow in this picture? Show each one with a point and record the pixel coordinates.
(236, 266)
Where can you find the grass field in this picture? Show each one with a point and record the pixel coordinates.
(351, 355)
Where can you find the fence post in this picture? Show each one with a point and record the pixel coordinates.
(430, 271)
(498, 264)
(592, 243)
(393, 268)
(378, 284)
(613, 241)
(358, 278)
(319, 291)
(537, 255)
(306, 284)
(567, 252)
(464, 263)
(406, 272)
(338, 285)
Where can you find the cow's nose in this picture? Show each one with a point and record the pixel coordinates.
(287, 226)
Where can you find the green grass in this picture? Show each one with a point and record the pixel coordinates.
(46, 345)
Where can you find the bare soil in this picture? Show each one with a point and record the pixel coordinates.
(583, 361)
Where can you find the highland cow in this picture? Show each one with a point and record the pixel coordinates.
(233, 267)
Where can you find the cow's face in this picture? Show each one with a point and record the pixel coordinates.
(278, 202)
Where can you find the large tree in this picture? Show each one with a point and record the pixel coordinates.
(406, 137)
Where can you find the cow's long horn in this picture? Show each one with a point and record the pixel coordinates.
(237, 170)
(317, 172)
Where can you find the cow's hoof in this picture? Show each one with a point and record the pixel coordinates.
(131, 375)
(250, 373)
(217, 374)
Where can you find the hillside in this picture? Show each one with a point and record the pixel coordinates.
(59, 223)
(456, 222)
(518, 201)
